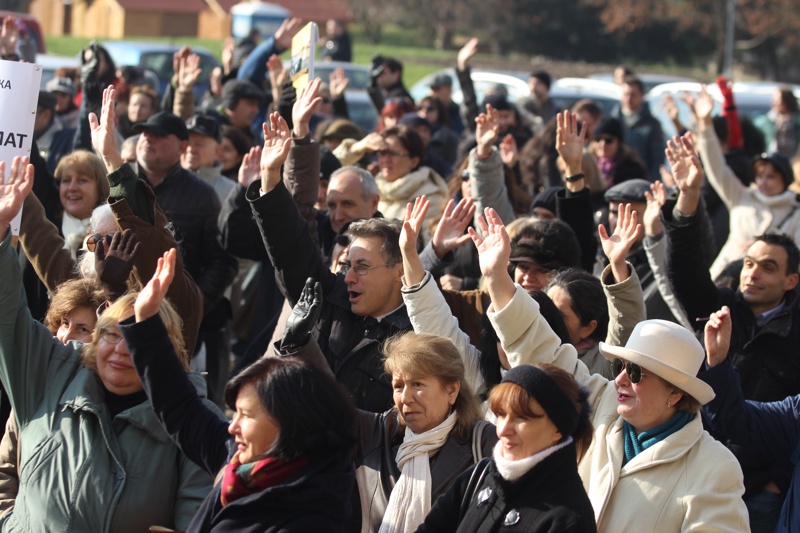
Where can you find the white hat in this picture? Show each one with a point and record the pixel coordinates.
(667, 350)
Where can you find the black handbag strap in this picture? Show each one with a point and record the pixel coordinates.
(475, 481)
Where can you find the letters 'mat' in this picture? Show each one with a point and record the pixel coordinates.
(12, 139)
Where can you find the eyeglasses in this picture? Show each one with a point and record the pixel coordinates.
(428, 108)
(607, 139)
(91, 242)
(360, 270)
(633, 370)
(391, 153)
(111, 336)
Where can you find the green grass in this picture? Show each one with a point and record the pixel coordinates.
(397, 42)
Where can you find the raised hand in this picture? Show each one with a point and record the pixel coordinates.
(303, 317)
(687, 171)
(303, 109)
(228, 47)
(487, 128)
(288, 29)
(9, 35)
(618, 245)
(656, 198)
(371, 143)
(250, 169)
(449, 233)
(703, 106)
(412, 224)
(188, 71)
(104, 131)
(114, 265)
(150, 298)
(277, 74)
(493, 244)
(277, 140)
(13, 190)
(570, 141)
(718, 336)
(466, 52)
(509, 152)
(337, 83)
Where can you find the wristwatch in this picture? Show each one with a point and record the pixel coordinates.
(576, 177)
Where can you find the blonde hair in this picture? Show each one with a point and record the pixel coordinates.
(88, 164)
(123, 306)
(417, 355)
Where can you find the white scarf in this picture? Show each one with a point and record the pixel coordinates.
(410, 501)
(513, 470)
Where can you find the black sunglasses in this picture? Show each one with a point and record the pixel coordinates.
(633, 370)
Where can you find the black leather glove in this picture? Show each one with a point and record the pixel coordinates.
(375, 70)
(303, 318)
(114, 266)
(286, 102)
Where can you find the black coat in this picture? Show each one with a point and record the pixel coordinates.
(549, 498)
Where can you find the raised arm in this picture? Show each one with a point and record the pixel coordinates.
(192, 425)
(470, 104)
(486, 178)
(618, 245)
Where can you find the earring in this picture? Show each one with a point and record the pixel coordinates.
(669, 404)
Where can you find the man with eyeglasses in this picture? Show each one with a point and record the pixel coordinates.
(764, 314)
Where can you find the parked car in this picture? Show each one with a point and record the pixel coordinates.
(514, 82)
(650, 80)
(157, 57)
(566, 91)
(357, 74)
(50, 63)
(752, 99)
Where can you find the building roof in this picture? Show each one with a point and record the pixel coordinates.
(317, 10)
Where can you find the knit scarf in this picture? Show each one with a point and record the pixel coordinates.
(410, 501)
(244, 479)
(636, 444)
(513, 470)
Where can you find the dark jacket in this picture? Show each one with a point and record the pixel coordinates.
(549, 498)
(193, 206)
(313, 499)
(646, 137)
(380, 436)
(766, 357)
(351, 343)
(772, 429)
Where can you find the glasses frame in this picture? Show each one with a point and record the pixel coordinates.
(91, 242)
(105, 332)
(634, 371)
(392, 154)
(360, 270)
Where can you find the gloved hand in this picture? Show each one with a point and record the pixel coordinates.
(376, 69)
(303, 317)
(90, 72)
(114, 265)
(286, 102)
(729, 111)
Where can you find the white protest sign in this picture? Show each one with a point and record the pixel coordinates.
(19, 95)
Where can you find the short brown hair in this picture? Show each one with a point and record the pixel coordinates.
(69, 296)
(423, 354)
(149, 93)
(123, 306)
(88, 164)
(386, 229)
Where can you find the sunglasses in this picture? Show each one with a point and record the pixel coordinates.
(91, 242)
(633, 370)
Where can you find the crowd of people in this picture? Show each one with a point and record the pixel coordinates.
(489, 316)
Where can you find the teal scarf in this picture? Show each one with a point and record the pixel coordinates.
(636, 444)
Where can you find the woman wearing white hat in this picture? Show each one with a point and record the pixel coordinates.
(651, 466)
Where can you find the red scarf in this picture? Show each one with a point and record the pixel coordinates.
(240, 480)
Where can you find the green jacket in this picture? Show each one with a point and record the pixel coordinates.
(82, 470)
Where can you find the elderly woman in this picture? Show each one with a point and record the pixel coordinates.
(401, 178)
(650, 450)
(93, 454)
(283, 460)
(532, 481)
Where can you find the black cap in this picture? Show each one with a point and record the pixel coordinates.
(235, 90)
(47, 100)
(549, 394)
(441, 80)
(781, 164)
(162, 124)
(328, 164)
(547, 198)
(204, 125)
(413, 120)
(498, 101)
(609, 126)
(628, 191)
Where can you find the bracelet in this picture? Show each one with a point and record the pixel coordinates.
(576, 177)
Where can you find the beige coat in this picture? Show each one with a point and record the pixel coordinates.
(687, 482)
(396, 194)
